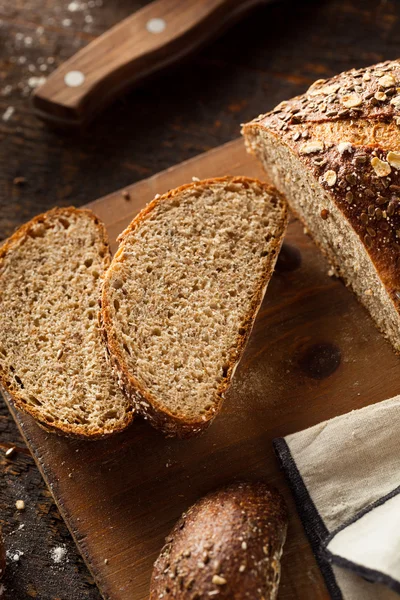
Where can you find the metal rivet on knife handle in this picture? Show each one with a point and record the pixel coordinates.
(155, 25)
(74, 78)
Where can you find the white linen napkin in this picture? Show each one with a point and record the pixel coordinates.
(345, 477)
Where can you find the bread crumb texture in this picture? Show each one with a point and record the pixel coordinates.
(182, 292)
(52, 359)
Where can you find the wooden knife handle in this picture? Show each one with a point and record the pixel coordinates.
(155, 36)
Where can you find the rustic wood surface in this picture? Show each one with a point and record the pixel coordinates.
(112, 63)
(273, 54)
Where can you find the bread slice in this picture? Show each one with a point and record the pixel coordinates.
(182, 293)
(335, 154)
(52, 358)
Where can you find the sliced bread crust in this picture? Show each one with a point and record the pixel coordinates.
(52, 359)
(116, 283)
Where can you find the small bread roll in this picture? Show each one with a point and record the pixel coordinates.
(228, 545)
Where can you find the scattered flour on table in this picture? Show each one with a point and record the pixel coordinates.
(14, 555)
(29, 47)
(21, 526)
(58, 554)
(8, 113)
(35, 82)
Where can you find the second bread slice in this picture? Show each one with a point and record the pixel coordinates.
(182, 294)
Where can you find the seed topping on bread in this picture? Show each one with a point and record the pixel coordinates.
(335, 153)
(372, 92)
(364, 171)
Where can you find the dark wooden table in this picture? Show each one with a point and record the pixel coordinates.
(275, 53)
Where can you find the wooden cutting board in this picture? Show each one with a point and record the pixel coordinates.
(314, 353)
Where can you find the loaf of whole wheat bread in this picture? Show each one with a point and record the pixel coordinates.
(334, 153)
(182, 293)
(52, 358)
(227, 546)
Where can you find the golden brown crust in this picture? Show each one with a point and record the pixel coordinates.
(146, 404)
(353, 152)
(228, 544)
(76, 431)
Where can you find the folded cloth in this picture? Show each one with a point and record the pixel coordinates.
(345, 477)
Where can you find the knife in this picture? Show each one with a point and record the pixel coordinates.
(152, 38)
